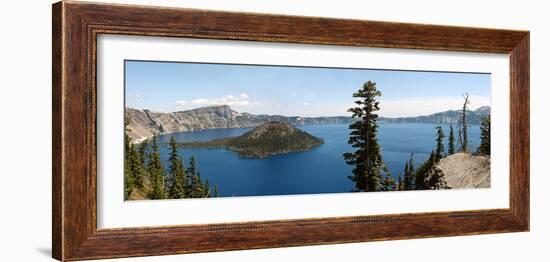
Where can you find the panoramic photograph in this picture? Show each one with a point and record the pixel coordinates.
(204, 130)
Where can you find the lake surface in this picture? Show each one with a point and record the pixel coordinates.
(320, 170)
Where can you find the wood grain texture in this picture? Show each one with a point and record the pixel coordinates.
(76, 26)
(519, 129)
(57, 195)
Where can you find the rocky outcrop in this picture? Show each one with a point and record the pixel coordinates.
(144, 123)
(466, 171)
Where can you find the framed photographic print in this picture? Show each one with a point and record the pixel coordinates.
(182, 130)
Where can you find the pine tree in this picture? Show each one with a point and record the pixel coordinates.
(216, 191)
(176, 171)
(129, 182)
(451, 149)
(400, 184)
(485, 145)
(432, 175)
(156, 172)
(367, 159)
(173, 162)
(440, 148)
(463, 125)
(388, 184)
(409, 172)
(435, 179)
(406, 177)
(195, 188)
(191, 172)
(127, 139)
(142, 151)
(207, 189)
(135, 168)
(422, 172)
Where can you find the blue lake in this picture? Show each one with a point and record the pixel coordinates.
(320, 170)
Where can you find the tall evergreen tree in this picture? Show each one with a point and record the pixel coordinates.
(176, 171)
(142, 152)
(195, 188)
(191, 172)
(422, 172)
(135, 167)
(177, 188)
(173, 161)
(440, 148)
(433, 175)
(406, 177)
(485, 145)
(400, 184)
(451, 145)
(463, 125)
(207, 189)
(388, 183)
(156, 172)
(367, 159)
(127, 139)
(129, 182)
(408, 174)
(216, 191)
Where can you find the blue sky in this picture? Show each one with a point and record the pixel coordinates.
(295, 91)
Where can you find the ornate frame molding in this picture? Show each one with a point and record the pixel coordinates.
(76, 26)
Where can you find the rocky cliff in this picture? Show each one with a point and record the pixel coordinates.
(145, 123)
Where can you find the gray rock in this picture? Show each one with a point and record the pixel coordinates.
(466, 171)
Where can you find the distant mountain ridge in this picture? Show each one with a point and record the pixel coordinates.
(446, 117)
(144, 123)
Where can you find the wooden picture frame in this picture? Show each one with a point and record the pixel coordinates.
(76, 26)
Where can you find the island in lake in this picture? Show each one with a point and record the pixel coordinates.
(271, 138)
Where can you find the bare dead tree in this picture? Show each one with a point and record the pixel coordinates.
(463, 124)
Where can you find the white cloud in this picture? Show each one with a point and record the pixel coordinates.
(242, 100)
(417, 106)
(305, 103)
